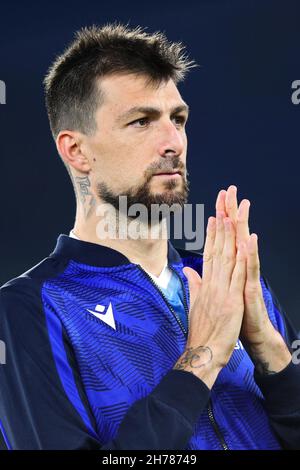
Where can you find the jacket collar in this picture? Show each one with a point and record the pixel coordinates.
(98, 255)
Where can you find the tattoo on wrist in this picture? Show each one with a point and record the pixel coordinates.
(85, 195)
(263, 368)
(194, 358)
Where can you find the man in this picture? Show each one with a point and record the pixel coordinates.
(128, 343)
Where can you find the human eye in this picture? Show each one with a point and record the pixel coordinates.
(144, 121)
(180, 119)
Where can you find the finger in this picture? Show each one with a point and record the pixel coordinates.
(242, 224)
(231, 204)
(220, 233)
(228, 255)
(194, 281)
(220, 202)
(253, 265)
(218, 245)
(238, 279)
(208, 249)
(253, 288)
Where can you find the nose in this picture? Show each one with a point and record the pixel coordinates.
(171, 140)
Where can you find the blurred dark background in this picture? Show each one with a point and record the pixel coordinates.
(243, 128)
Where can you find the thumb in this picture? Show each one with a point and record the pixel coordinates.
(194, 281)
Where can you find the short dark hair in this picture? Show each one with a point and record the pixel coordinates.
(71, 92)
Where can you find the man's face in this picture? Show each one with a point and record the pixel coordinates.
(140, 132)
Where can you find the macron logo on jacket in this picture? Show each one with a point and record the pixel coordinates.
(107, 317)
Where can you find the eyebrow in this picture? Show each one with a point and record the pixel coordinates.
(152, 111)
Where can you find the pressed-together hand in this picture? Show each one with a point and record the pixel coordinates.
(228, 301)
(256, 320)
(262, 341)
(217, 304)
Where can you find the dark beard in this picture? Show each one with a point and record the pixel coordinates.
(142, 194)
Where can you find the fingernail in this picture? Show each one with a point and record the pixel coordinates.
(211, 223)
(255, 238)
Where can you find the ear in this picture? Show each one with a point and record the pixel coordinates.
(69, 146)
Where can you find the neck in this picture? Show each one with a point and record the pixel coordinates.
(150, 253)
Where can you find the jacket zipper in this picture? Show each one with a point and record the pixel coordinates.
(210, 411)
(216, 426)
(166, 300)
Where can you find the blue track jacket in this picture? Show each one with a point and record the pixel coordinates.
(91, 343)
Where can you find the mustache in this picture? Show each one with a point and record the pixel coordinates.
(166, 165)
(179, 168)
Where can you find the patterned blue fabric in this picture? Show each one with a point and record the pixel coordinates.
(119, 366)
(175, 296)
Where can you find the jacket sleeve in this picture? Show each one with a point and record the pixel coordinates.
(165, 419)
(282, 390)
(36, 412)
